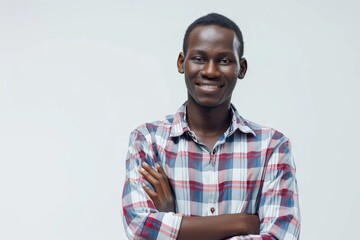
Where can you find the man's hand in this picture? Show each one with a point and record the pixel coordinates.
(163, 196)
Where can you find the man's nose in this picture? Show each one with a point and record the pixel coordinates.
(210, 70)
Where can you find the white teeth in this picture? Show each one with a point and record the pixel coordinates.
(209, 86)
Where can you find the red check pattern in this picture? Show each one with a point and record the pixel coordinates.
(249, 170)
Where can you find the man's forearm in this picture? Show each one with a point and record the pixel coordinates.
(218, 227)
(209, 227)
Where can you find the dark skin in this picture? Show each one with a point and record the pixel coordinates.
(163, 196)
(211, 67)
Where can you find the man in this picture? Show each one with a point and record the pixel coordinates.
(205, 172)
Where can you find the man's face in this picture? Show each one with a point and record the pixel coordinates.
(211, 65)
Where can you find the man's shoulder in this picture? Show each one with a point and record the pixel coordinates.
(258, 132)
(162, 127)
(266, 133)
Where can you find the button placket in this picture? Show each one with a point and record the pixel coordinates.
(213, 158)
(212, 209)
(212, 204)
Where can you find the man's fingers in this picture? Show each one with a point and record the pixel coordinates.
(152, 194)
(159, 168)
(150, 178)
(151, 171)
(161, 194)
(161, 178)
(166, 184)
(157, 185)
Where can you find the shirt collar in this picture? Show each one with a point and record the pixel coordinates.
(179, 125)
(239, 122)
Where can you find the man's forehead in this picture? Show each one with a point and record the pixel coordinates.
(214, 32)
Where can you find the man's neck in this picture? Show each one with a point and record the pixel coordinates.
(208, 123)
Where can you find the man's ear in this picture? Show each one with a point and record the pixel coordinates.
(180, 63)
(243, 68)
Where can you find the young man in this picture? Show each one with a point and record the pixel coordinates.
(205, 172)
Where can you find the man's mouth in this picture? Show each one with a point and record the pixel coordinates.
(208, 86)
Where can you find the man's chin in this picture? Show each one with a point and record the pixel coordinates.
(210, 104)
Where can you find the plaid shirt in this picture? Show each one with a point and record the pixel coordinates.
(249, 170)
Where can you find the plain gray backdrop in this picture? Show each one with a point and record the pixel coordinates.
(77, 76)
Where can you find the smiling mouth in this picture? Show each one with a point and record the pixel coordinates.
(209, 86)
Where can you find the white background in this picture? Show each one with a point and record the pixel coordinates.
(77, 76)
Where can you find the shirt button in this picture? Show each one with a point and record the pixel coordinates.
(212, 210)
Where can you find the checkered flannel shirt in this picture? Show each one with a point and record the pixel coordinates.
(249, 170)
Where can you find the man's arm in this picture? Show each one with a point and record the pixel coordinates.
(142, 220)
(218, 227)
(140, 217)
(209, 227)
(278, 203)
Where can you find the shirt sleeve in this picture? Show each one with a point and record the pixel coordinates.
(279, 205)
(140, 217)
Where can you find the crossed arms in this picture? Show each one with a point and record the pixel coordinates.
(211, 227)
(150, 211)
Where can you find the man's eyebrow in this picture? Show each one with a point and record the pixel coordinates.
(202, 52)
(226, 53)
(194, 50)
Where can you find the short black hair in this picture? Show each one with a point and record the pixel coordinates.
(217, 20)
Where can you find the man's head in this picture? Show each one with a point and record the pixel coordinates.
(211, 61)
(216, 20)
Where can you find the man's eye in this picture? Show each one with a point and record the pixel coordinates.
(225, 61)
(198, 59)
